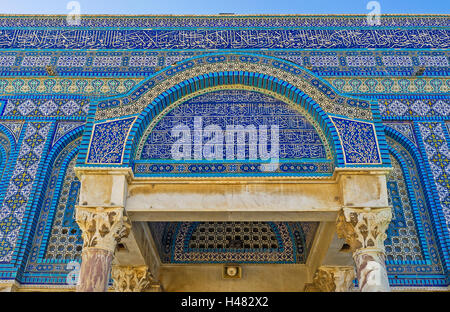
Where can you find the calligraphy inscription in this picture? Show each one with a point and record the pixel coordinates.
(224, 39)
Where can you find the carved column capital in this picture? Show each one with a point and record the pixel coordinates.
(365, 231)
(9, 286)
(102, 227)
(364, 228)
(131, 278)
(343, 278)
(332, 279)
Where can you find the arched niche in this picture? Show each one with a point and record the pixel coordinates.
(411, 245)
(238, 125)
(57, 239)
(7, 145)
(116, 128)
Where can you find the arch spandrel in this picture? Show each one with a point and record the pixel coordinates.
(348, 123)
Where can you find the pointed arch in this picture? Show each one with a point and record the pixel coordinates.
(260, 82)
(130, 113)
(56, 162)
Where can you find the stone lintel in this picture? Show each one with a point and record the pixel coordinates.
(80, 170)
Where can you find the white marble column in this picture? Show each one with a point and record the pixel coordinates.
(364, 230)
(102, 228)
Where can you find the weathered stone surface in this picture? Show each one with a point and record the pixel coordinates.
(102, 227)
(131, 278)
(9, 287)
(371, 270)
(95, 270)
(110, 187)
(332, 279)
(364, 190)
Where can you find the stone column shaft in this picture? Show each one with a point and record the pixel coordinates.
(101, 229)
(95, 270)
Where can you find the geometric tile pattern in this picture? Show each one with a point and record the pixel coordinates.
(404, 128)
(411, 245)
(86, 86)
(64, 127)
(111, 61)
(145, 61)
(237, 242)
(65, 241)
(352, 56)
(46, 108)
(328, 63)
(226, 21)
(20, 186)
(71, 61)
(438, 153)
(57, 239)
(397, 60)
(233, 235)
(402, 242)
(231, 69)
(414, 108)
(36, 61)
(14, 126)
(432, 60)
(7, 61)
(298, 138)
(386, 85)
(356, 61)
